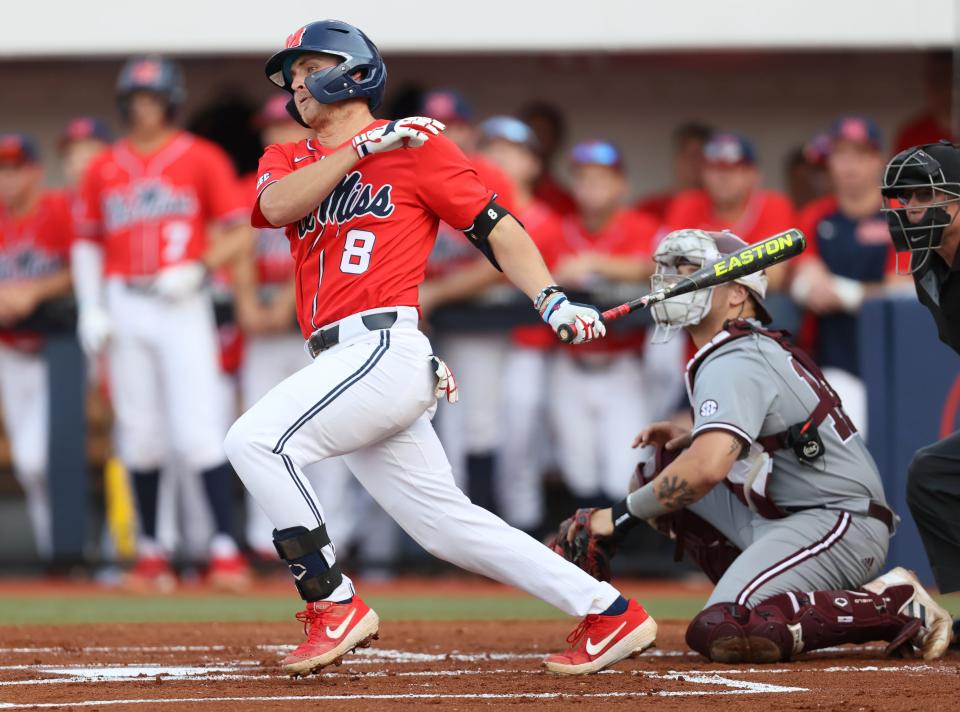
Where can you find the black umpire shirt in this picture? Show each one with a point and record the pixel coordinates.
(938, 287)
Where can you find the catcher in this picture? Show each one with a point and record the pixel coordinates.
(772, 493)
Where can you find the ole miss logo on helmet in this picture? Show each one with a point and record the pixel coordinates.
(146, 72)
(296, 38)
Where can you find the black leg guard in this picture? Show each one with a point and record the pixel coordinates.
(301, 549)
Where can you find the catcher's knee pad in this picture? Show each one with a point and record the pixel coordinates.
(731, 633)
(301, 549)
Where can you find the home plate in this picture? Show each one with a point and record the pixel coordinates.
(128, 672)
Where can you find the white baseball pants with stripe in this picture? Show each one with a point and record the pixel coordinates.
(267, 360)
(811, 550)
(370, 398)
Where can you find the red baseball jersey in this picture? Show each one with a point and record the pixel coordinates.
(366, 245)
(627, 234)
(452, 250)
(151, 211)
(767, 213)
(656, 205)
(549, 191)
(34, 245)
(38, 243)
(922, 129)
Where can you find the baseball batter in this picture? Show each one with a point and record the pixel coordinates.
(801, 525)
(361, 201)
(35, 233)
(140, 270)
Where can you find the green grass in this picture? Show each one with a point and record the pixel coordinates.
(186, 609)
(182, 608)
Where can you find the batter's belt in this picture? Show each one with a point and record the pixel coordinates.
(323, 339)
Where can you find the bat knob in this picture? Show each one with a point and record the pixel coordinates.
(566, 333)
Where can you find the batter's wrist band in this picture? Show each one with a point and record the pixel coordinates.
(643, 503)
(544, 294)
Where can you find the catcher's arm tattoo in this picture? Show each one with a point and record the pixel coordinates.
(674, 492)
(695, 472)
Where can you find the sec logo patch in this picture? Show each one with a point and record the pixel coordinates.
(708, 408)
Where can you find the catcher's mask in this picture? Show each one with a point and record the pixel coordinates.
(927, 178)
(698, 248)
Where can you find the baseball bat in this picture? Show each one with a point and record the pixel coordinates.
(750, 259)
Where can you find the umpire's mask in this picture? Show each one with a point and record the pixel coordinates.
(918, 184)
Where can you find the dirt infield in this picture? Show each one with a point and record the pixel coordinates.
(462, 666)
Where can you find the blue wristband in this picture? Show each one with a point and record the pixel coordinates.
(553, 303)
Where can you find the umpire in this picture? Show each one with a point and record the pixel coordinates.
(921, 189)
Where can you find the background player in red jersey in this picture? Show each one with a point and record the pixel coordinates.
(603, 245)
(526, 446)
(140, 268)
(733, 199)
(361, 202)
(470, 433)
(550, 128)
(935, 122)
(688, 142)
(82, 139)
(35, 230)
(849, 256)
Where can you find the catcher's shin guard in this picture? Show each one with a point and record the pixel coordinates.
(788, 624)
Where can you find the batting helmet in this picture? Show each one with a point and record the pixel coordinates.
(327, 86)
(154, 74)
(933, 169)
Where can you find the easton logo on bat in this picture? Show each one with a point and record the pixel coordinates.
(777, 245)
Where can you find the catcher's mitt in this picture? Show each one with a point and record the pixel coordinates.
(577, 544)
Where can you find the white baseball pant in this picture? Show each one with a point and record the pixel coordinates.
(370, 398)
(164, 371)
(473, 425)
(26, 418)
(525, 435)
(596, 411)
(267, 360)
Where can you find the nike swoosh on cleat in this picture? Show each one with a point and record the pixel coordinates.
(338, 632)
(595, 649)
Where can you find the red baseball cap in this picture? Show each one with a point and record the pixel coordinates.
(86, 127)
(19, 149)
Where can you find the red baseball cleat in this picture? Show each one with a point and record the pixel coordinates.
(150, 574)
(229, 573)
(332, 630)
(601, 641)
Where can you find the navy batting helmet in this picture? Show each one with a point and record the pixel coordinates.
(327, 86)
(151, 73)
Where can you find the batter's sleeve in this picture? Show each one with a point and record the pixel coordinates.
(86, 210)
(275, 163)
(733, 392)
(448, 185)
